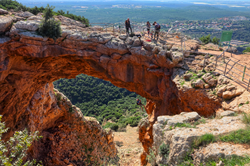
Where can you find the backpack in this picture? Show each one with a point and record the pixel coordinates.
(157, 27)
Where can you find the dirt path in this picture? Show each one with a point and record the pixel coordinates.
(130, 147)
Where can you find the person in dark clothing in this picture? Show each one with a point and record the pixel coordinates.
(128, 26)
(148, 27)
(157, 30)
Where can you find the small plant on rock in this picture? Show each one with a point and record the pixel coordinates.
(164, 150)
(49, 26)
(246, 118)
(151, 158)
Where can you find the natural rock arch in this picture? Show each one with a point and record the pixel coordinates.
(29, 62)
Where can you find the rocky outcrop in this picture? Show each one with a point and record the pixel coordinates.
(2, 11)
(28, 25)
(180, 131)
(68, 137)
(5, 23)
(25, 14)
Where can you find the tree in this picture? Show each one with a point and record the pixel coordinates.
(49, 26)
(61, 12)
(13, 151)
(206, 39)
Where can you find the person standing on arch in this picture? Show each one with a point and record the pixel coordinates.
(157, 30)
(148, 27)
(128, 26)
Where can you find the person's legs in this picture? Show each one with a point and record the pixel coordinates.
(148, 31)
(157, 33)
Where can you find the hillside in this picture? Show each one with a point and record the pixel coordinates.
(101, 99)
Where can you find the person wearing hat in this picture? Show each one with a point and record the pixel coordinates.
(128, 26)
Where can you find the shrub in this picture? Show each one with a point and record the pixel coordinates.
(49, 26)
(206, 39)
(151, 158)
(134, 121)
(164, 150)
(246, 50)
(215, 40)
(112, 126)
(13, 152)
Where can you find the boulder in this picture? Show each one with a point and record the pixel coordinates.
(184, 117)
(223, 80)
(228, 95)
(226, 113)
(70, 22)
(5, 23)
(188, 76)
(137, 43)
(198, 84)
(28, 25)
(123, 37)
(208, 78)
(35, 18)
(4, 39)
(2, 11)
(177, 57)
(25, 14)
(221, 90)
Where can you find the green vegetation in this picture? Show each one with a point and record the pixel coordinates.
(246, 50)
(246, 119)
(151, 158)
(164, 150)
(241, 136)
(14, 151)
(102, 100)
(189, 125)
(12, 4)
(49, 26)
(207, 39)
(112, 126)
(203, 140)
(236, 160)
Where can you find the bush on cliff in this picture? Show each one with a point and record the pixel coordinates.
(11, 4)
(13, 151)
(49, 26)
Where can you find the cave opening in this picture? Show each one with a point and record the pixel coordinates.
(113, 107)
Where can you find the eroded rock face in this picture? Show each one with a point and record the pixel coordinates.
(68, 137)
